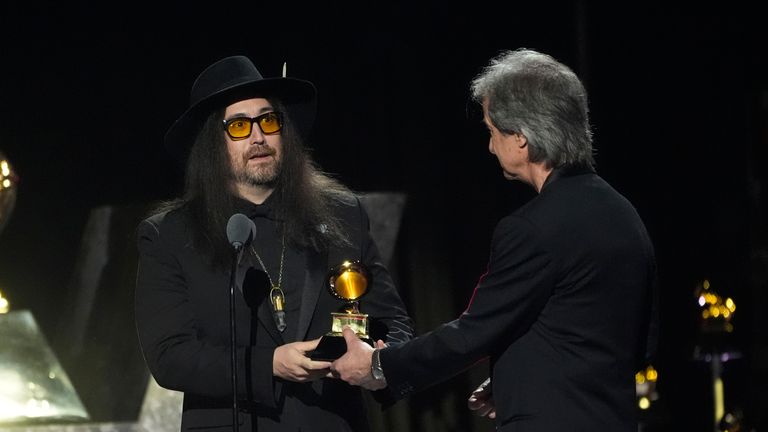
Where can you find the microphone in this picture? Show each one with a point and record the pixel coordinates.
(240, 230)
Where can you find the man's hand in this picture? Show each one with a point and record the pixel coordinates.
(481, 400)
(290, 362)
(354, 366)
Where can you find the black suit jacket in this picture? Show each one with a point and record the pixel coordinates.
(563, 312)
(182, 317)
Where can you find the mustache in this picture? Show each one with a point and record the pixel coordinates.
(260, 151)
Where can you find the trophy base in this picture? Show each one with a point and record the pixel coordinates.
(332, 346)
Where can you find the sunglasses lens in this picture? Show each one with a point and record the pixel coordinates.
(239, 127)
(270, 123)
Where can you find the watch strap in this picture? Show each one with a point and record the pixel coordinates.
(376, 370)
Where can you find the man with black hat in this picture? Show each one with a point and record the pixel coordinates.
(242, 143)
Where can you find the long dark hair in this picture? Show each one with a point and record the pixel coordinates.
(304, 197)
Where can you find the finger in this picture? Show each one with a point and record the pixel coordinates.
(473, 403)
(492, 414)
(485, 385)
(307, 345)
(318, 365)
(380, 344)
(349, 335)
(478, 396)
(481, 409)
(484, 411)
(481, 394)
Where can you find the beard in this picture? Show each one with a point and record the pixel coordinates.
(265, 174)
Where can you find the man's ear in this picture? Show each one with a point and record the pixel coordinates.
(520, 140)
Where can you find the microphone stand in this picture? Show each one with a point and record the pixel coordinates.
(233, 334)
(240, 230)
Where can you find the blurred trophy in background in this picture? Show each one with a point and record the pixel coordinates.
(8, 181)
(648, 415)
(34, 388)
(7, 201)
(714, 348)
(645, 387)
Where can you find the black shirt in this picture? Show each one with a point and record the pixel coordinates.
(268, 244)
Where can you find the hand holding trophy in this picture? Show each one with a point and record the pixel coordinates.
(348, 282)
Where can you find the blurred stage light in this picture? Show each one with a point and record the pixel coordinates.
(8, 181)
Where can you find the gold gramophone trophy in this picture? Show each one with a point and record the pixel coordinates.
(714, 347)
(348, 282)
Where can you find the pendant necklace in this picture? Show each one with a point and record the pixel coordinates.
(276, 295)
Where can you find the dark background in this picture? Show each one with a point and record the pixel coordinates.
(679, 100)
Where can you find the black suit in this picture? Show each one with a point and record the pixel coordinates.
(563, 312)
(182, 315)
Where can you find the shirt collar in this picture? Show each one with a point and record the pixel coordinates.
(252, 210)
(567, 171)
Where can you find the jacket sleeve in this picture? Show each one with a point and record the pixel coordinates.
(176, 354)
(506, 302)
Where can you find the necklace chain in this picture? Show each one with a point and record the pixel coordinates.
(276, 294)
(263, 267)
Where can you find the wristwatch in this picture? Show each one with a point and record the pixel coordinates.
(376, 370)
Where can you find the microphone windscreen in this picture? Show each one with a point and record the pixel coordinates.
(240, 230)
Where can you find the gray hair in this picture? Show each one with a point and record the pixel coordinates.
(533, 94)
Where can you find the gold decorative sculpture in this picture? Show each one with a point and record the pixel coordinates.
(35, 389)
(715, 315)
(716, 311)
(8, 182)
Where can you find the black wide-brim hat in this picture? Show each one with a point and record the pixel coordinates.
(233, 79)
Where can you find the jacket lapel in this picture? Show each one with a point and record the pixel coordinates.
(314, 282)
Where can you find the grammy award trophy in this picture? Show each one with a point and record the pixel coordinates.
(348, 282)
